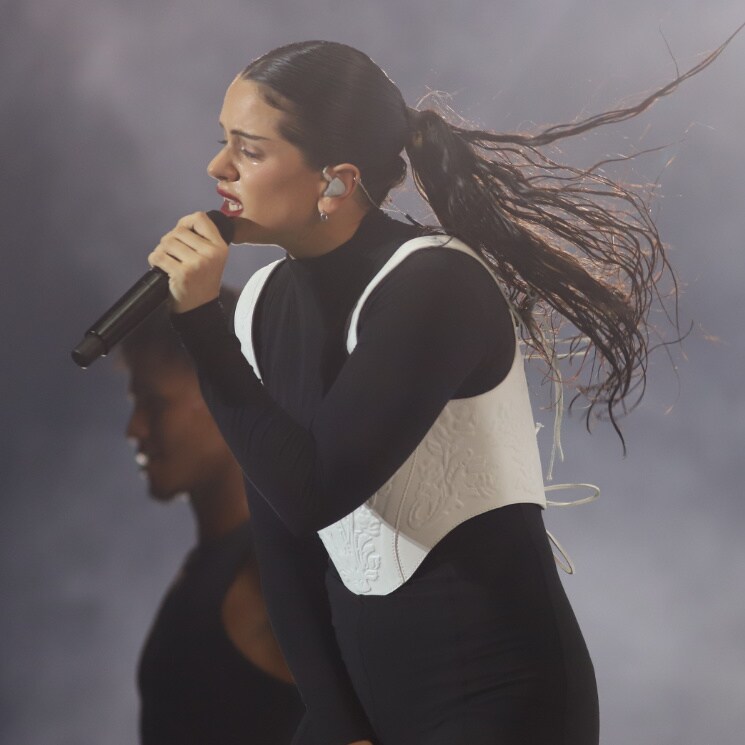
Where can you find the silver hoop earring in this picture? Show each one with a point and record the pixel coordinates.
(323, 215)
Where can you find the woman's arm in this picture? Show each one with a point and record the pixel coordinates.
(436, 327)
(293, 581)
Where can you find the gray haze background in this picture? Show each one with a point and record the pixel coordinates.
(109, 115)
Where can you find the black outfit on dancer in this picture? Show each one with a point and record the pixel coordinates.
(195, 687)
(480, 646)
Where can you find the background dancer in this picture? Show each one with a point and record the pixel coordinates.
(210, 670)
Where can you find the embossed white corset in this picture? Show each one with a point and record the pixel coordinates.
(481, 453)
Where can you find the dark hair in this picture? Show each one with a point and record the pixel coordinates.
(156, 337)
(343, 109)
(569, 243)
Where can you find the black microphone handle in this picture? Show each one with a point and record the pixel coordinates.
(128, 311)
(133, 307)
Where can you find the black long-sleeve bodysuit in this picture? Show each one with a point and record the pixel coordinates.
(480, 645)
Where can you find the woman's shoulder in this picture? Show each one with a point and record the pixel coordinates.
(432, 264)
(436, 278)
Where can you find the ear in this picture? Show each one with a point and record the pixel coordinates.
(337, 184)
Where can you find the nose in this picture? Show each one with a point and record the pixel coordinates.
(221, 167)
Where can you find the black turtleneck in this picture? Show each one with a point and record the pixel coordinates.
(326, 429)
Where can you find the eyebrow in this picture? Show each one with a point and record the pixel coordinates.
(246, 135)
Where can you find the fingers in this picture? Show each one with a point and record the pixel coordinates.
(185, 246)
(201, 225)
(194, 238)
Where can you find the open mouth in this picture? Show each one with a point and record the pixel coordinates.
(231, 208)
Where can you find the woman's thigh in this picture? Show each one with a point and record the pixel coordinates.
(479, 646)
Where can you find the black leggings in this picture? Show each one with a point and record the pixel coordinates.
(479, 647)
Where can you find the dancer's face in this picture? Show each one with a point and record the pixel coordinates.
(263, 178)
(179, 448)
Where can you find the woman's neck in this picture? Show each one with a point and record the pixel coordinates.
(328, 235)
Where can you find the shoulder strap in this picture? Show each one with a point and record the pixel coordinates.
(245, 310)
(401, 253)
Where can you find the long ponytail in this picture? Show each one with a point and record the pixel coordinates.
(570, 244)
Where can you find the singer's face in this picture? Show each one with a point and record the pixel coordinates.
(263, 179)
(179, 448)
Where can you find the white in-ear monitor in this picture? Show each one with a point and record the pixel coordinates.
(336, 186)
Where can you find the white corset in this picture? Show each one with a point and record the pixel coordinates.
(480, 454)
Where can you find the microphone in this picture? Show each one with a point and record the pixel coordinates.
(134, 306)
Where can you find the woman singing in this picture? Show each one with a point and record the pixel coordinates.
(374, 393)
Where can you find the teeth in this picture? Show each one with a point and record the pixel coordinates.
(234, 206)
(141, 460)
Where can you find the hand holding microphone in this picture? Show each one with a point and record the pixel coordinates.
(193, 255)
(190, 258)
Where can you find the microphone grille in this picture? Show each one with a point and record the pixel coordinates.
(223, 223)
